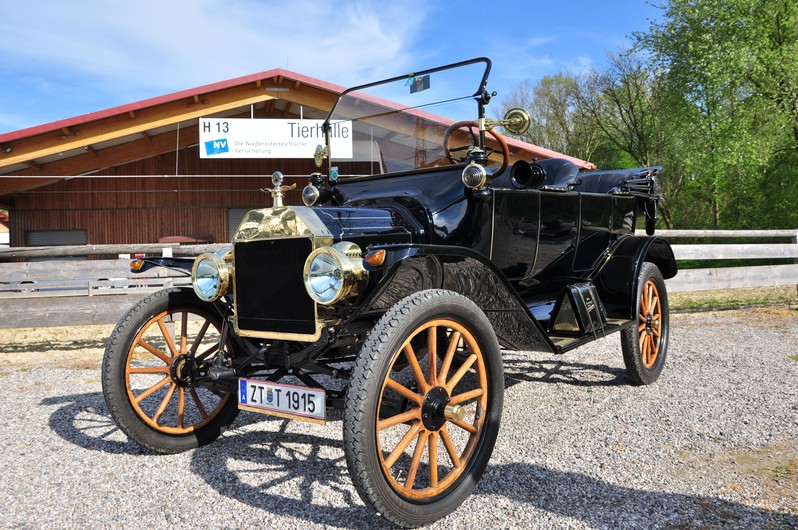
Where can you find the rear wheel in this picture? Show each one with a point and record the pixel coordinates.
(423, 407)
(645, 345)
(150, 369)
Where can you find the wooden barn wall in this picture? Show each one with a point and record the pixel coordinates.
(155, 203)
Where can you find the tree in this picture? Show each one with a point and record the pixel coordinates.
(557, 122)
(730, 74)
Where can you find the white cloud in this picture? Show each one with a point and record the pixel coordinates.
(172, 45)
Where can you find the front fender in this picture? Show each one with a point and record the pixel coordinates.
(144, 264)
(411, 268)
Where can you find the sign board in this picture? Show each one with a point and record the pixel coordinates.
(267, 138)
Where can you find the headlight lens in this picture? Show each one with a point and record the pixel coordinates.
(310, 194)
(210, 275)
(334, 273)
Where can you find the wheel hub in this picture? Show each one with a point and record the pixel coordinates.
(182, 369)
(433, 408)
(651, 324)
(436, 410)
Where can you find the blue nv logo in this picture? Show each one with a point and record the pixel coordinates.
(216, 147)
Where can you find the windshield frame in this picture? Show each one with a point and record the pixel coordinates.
(480, 95)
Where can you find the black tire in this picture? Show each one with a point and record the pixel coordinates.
(143, 367)
(382, 418)
(645, 345)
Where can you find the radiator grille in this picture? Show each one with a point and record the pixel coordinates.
(270, 295)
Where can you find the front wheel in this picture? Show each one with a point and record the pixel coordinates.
(149, 373)
(423, 407)
(645, 345)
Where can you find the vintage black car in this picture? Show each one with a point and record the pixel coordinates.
(422, 252)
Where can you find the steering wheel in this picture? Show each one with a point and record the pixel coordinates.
(471, 125)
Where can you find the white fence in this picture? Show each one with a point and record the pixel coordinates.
(734, 277)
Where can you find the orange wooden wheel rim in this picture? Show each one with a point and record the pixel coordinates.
(439, 456)
(155, 397)
(650, 324)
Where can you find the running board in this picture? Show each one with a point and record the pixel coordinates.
(565, 344)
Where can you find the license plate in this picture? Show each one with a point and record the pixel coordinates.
(286, 401)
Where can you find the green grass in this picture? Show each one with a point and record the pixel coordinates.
(694, 301)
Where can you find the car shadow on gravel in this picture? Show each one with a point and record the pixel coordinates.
(291, 474)
(84, 420)
(304, 477)
(599, 504)
(563, 372)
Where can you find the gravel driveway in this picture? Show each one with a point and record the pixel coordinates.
(714, 443)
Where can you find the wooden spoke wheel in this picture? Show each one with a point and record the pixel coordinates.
(154, 373)
(645, 345)
(423, 407)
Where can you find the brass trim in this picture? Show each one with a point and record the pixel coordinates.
(287, 222)
(299, 337)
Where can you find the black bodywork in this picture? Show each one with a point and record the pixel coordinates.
(518, 253)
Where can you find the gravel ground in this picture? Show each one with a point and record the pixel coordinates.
(713, 444)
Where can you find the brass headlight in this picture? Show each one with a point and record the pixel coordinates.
(210, 275)
(334, 273)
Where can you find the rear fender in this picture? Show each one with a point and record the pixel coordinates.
(412, 268)
(617, 280)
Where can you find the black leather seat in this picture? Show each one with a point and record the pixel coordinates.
(560, 173)
(610, 181)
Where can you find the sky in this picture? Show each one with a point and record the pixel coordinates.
(61, 59)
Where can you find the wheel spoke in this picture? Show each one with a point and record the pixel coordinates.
(416, 368)
(184, 333)
(412, 414)
(198, 403)
(155, 351)
(198, 339)
(150, 370)
(154, 388)
(433, 459)
(653, 297)
(460, 373)
(454, 341)
(449, 445)
(465, 396)
(181, 406)
(164, 403)
(432, 355)
(466, 426)
(404, 391)
(421, 442)
(644, 350)
(167, 337)
(402, 445)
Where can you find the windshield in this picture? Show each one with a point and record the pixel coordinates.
(399, 124)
